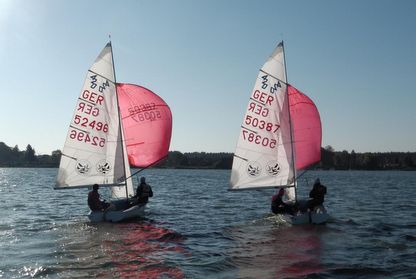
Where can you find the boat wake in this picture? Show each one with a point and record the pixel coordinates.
(273, 219)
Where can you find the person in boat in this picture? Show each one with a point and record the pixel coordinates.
(144, 191)
(94, 201)
(317, 195)
(279, 206)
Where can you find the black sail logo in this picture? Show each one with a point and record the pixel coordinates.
(273, 168)
(103, 167)
(253, 169)
(82, 167)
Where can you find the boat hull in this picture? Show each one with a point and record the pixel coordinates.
(310, 218)
(117, 215)
(317, 216)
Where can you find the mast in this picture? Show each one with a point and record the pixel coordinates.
(290, 126)
(120, 127)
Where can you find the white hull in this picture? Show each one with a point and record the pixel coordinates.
(117, 215)
(317, 217)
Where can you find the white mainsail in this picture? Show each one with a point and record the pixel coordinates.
(94, 151)
(264, 154)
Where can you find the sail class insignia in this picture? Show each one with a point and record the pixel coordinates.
(82, 167)
(273, 168)
(253, 168)
(103, 167)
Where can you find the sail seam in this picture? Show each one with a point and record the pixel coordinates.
(251, 98)
(89, 102)
(79, 129)
(249, 129)
(113, 82)
(261, 70)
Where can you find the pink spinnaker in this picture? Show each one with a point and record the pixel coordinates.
(147, 124)
(307, 130)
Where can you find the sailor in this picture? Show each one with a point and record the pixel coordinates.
(278, 206)
(317, 195)
(94, 201)
(144, 191)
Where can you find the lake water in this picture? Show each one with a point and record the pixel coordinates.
(195, 228)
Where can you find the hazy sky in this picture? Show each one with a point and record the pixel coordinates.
(355, 59)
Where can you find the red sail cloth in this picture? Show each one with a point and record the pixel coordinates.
(307, 130)
(147, 124)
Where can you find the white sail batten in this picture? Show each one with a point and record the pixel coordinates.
(263, 156)
(93, 148)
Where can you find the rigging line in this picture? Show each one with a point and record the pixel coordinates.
(244, 159)
(70, 157)
(278, 79)
(107, 79)
(307, 169)
(152, 164)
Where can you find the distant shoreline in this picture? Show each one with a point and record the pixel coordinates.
(330, 160)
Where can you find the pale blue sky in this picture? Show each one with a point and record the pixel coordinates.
(355, 59)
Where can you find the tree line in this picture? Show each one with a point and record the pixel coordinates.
(344, 160)
(13, 157)
(330, 159)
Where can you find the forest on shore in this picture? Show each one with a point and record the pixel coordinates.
(330, 159)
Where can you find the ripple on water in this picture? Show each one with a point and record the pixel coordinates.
(195, 228)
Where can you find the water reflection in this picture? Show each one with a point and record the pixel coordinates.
(276, 250)
(142, 249)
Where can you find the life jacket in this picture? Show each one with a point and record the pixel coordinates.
(318, 193)
(144, 190)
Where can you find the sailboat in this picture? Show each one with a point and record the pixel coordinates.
(280, 136)
(114, 126)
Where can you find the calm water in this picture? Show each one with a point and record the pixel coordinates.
(195, 228)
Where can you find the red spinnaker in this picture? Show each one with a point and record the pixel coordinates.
(307, 130)
(147, 124)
